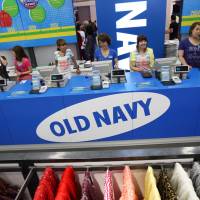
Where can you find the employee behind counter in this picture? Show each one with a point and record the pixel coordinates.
(142, 59)
(104, 52)
(22, 63)
(64, 57)
(189, 48)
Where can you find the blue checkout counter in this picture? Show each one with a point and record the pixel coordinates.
(137, 110)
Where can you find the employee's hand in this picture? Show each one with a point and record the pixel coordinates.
(18, 73)
(78, 71)
(138, 69)
(116, 66)
(61, 54)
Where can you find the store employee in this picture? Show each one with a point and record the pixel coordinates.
(104, 52)
(189, 48)
(64, 57)
(142, 59)
(22, 63)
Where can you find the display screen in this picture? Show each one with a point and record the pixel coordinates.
(56, 77)
(182, 68)
(118, 72)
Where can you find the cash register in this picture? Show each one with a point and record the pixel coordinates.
(180, 72)
(5, 83)
(52, 77)
(58, 79)
(118, 76)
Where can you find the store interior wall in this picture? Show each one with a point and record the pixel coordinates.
(84, 13)
(90, 4)
(45, 55)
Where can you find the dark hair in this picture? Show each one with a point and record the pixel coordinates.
(103, 37)
(19, 52)
(78, 26)
(139, 39)
(173, 17)
(60, 42)
(193, 26)
(89, 30)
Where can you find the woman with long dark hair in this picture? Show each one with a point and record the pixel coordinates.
(22, 63)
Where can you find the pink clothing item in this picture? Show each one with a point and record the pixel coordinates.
(23, 67)
(128, 189)
(108, 186)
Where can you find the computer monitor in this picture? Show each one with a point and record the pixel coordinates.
(118, 72)
(104, 67)
(165, 61)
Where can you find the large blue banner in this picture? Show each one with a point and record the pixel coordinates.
(128, 111)
(123, 20)
(31, 23)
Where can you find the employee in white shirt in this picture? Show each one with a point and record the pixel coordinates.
(64, 58)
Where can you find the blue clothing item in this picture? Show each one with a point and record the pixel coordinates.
(191, 52)
(111, 56)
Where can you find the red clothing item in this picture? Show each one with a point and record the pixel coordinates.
(48, 186)
(41, 193)
(67, 189)
(23, 67)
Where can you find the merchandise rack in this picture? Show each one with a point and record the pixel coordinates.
(97, 158)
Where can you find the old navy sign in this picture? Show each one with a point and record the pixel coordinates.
(103, 117)
(125, 20)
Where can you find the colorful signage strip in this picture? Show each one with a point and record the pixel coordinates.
(190, 14)
(37, 34)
